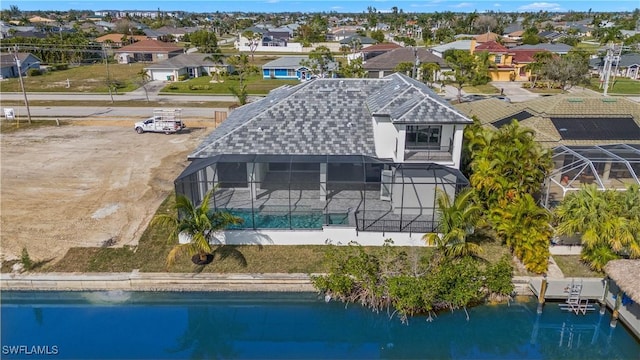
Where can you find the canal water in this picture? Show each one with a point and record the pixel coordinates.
(250, 325)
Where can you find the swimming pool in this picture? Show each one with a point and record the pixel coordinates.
(282, 220)
(148, 325)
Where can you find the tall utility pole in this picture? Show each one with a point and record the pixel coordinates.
(106, 62)
(24, 93)
(613, 55)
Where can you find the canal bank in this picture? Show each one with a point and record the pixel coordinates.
(594, 288)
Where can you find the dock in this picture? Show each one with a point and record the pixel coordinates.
(579, 295)
(593, 289)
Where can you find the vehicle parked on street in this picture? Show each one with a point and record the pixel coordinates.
(168, 121)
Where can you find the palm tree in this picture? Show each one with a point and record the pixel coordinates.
(241, 63)
(540, 59)
(144, 78)
(524, 227)
(604, 219)
(217, 58)
(199, 224)
(344, 49)
(429, 72)
(458, 221)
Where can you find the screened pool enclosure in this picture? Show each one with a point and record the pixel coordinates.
(314, 191)
(605, 166)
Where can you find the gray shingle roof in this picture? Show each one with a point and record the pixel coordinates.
(285, 62)
(556, 48)
(391, 59)
(325, 117)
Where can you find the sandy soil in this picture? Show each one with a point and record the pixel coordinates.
(84, 185)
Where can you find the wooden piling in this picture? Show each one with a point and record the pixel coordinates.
(616, 310)
(603, 302)
(543, 290)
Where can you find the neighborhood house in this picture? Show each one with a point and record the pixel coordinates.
(293, 68)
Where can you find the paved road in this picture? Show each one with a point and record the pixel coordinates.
(111, 113)
(116, 112)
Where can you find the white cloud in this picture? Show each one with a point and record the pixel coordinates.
(462, 5)
(423, 5)
(540, 6)
(337, 8)
(497, 5)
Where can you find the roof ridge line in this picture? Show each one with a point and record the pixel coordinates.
(388, 103)
(428, 96)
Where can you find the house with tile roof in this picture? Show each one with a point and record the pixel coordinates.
(486, 37)
(119, 40)
(385, 64)
(455, 45)
(377, 49)
(190, 65)
(594, 139)
(330, 156)
(147, 51)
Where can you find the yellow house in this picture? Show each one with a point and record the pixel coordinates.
(506, 64)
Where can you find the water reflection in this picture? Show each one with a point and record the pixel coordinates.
(297, 326)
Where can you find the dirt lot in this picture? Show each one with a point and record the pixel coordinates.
(83, 185)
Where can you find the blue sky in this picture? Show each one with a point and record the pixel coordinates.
(327, 5)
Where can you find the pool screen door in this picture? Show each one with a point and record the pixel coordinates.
(385, 185)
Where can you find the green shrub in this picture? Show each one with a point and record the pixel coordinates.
(57, 67)
(200, 87)
(25, 259)
(34, 72)
(498, 277)
(183, 77)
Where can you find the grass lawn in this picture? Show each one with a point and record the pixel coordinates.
(481, 89)
(619, 85)
(86, 78)
(151, 252)
(572, 266)
(256, 85)
(122, 103)
(592, 48)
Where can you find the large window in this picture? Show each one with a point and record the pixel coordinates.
(423, 137)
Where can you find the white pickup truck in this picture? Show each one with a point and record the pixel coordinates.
(167, 121)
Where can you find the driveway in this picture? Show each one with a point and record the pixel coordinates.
(514, 91)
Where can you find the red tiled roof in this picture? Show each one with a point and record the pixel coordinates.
(381, 47)
(524, 56)
(491, 46)
(150, 46)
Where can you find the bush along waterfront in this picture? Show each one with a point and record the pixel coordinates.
(406, 285)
